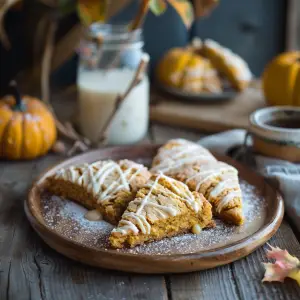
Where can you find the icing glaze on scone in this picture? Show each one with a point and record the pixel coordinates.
(107, 186)
(103, 179)
(233, 60)
(164, 207)
(199, 169)
(163, 211)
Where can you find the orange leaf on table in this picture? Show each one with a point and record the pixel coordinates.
(285, 265)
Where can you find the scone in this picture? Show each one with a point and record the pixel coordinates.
(164, 207)
(107, 186)
(199, 169)
(235, 69)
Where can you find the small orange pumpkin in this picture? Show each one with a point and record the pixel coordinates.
(27, 128)
(281, 80)
(184, 69)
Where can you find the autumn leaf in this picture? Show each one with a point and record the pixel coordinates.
(90, 11)
(204, 7)
(285, 265)
(185, 10)
(158, 6)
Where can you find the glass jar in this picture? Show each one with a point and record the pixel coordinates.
(109, 57)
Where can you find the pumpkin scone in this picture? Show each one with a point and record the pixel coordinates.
(164, 207)
(107, 186)
(235, 69)
(199, 169)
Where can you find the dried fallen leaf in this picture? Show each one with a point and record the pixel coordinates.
(285, 265)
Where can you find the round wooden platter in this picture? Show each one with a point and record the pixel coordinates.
(253, 234)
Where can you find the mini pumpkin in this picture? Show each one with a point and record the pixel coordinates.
(184, 69)
(281, 80)
(27, 128)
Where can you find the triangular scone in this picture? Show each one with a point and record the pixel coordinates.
(199, 169)
(228, 63)
(107, 186)
(164, 207)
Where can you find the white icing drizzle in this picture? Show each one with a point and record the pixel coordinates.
(125, 226)
(232, 60)
(226, 200)
(137, 221)
(187, 195)
(102, 178)
(225, 184)
(186, 154)
(208, 174)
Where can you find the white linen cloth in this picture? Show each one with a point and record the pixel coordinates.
(284, 173)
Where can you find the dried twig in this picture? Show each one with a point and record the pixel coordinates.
(78, 145)
(46, 63)
(5, 6)
(63, 50)
(143, 9)
(66, 129)
(140, 72)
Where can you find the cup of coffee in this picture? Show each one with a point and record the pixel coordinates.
(275, 132)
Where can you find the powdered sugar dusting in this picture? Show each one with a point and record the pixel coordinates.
(67, 218)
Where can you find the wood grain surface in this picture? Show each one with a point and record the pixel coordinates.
(29, 269)
(216, 117)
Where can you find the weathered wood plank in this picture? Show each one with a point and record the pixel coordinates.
(249, 271)
(211, 284)
(14, 181)
(29, 269)
(162, 133)
(241, 279)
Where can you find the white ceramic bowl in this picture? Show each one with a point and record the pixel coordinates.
(275, 140)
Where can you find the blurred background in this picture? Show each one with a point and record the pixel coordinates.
(257, 30)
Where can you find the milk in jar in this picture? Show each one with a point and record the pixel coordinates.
(105, 72)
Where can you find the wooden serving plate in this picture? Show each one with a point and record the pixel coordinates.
(243, 240)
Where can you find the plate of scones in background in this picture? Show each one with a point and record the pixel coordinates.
(203, 71)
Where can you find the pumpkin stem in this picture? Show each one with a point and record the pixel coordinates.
(14, 91)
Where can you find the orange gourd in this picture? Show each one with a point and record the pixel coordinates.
(27, 128)
(281, 80)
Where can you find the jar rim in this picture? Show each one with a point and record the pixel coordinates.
(114, 32)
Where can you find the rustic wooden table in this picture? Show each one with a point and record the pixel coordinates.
(29, 269)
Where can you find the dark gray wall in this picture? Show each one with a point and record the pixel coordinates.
(254, 29)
